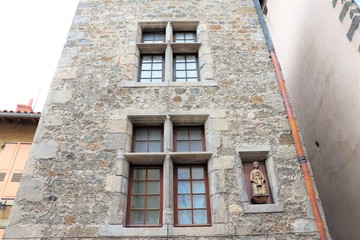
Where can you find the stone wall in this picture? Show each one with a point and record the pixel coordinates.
(75, 184)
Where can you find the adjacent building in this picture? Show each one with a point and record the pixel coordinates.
(17, 129)
(318, 45)
(164, 120)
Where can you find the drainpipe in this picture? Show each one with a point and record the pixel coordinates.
(299, 148)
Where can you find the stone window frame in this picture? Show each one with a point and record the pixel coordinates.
(119, 184)
(169, 48)
(259, 153)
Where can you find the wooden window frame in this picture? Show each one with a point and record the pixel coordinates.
(155, 31)
(203, 145)
(130, 194)
(207, 196)
(152, 62)
(186, 70)
(148, 140)
(192, 32)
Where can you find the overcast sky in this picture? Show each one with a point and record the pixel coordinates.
(33, 33)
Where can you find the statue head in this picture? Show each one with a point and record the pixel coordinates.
(256, 164)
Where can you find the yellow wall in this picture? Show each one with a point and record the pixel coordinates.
(16, 132)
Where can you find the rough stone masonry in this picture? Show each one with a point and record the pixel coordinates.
(76, 182)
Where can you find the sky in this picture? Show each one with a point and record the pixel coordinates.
(32, 36)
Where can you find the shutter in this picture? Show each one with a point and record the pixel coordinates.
(12, 163)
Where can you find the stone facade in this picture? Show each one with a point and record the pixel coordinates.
(76, 181)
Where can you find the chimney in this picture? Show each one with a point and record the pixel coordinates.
(25, 107)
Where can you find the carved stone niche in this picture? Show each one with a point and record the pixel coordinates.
(256, 181)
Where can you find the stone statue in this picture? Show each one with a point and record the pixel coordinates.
(257, 181)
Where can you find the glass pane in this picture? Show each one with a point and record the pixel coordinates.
(154, 134)
(189, 35)
(147, 59)
(180, 59)
(195, 134)
(152, 202)
(199, 201)
(182, 134)
(157, 80)
(139, 174)
(192, 79)
(153, 174)
(137, 217)
(153, 187)
(145, 74)
(155, 146)
(192, 73)
(137, 202)
(157, 66)
(182, 146)
(200, 217)
(197, 173)
(140, 147)
(180, 80)
(138, 187)
(195, 146)
(184, 217)
(180, 66)
(146, 66)
(157, 58)
(156, 74)
(190, 58)
(198, 187)
(183, 173)
(191, 66)
(152, 217)
(179, 35)
(184, 201)
(141, 134)
(184, 187)
(145, 80)
(148, 36)
(159, 36)
(180, 74)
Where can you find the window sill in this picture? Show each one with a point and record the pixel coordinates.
(190, 157)
(205, 83)
(216, 230)
(145, 158)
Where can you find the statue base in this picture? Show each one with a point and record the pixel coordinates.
(259, 199)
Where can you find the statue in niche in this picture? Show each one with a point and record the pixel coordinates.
(258, 187)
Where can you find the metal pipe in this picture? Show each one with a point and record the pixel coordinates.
(299, 148)
(20, 115)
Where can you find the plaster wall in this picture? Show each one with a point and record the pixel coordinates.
(16, 132)
(321, 68)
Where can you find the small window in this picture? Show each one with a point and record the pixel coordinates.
(191, 195)
(153, 37)
(152, 68)
(185, 37)
(186, 68)
(189, 139)
(148, 139)
(145, 196)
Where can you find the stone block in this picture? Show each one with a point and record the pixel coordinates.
(213, 140)
(60, 96)
(122, 168)
(217, 182)
(30, 189)
(32, 231)
(120, 126)
(66, 73)
(118, 141)
(218, 210)
(118, 209)
(221, 163)
(44, 150)
(118, 184)
(217, 125)
(303, 226)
